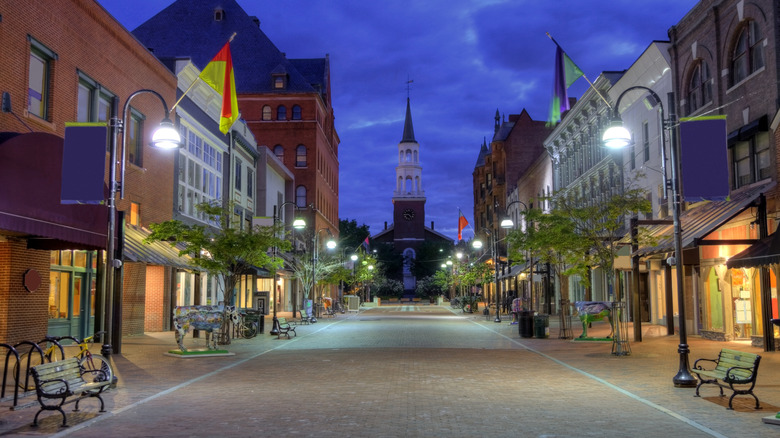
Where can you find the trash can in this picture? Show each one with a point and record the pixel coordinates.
(526, 325)
(542, 326)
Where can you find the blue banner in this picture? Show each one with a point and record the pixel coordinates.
(704, 159)
(84, 163)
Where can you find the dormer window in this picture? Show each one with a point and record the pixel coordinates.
(280, 82)
(219, 14)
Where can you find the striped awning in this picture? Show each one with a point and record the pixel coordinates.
(697, 223)
(155, 253)
(762, 253)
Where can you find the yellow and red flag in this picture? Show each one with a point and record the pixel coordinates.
(219, 75)
(462, 222)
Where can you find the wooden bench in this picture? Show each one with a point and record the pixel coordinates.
(285, 328)
(64, 381)
(305, 318)
(731, 368)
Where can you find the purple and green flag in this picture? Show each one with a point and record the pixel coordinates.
(566, 72)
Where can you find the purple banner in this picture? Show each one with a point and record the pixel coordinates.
(84, 164)
(704, 159)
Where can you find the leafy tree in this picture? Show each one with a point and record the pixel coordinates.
(352, 235)
(429, 287)
(224, 249)
(429, 257)
(389, 288)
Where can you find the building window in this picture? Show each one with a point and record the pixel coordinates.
(632, 156)
(300, 156)
(134, 145)
(300, 197)
(135, 214)
(751, 160)
(279, 152)
(267, 112)
(645, 141)
(38, 89)
(249, 183)
(281, 113)
(279, 81)
(238, 176)
(748, 54)
(699, 87)
(489, 181)
(94, 103)
(296, 112)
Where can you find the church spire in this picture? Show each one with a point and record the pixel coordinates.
(408, 136)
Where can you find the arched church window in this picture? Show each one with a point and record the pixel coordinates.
(415, 156)
(408, 184)
(400, 183)
(401, 156)
(408, 155)
(417, 183)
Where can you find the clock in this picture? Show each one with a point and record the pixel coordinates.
(408, 214)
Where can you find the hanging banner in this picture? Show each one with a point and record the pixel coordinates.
(84, 163)
(704, 159)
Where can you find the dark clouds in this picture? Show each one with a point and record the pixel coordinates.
(466, 58)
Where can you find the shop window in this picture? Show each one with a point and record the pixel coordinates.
(59, 294)
(751, 160)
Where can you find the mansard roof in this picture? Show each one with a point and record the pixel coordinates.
(190, 28)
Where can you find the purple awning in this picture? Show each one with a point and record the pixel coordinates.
(30, 187)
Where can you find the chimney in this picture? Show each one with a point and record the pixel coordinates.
(431, 224)
(255, 20)
(385, 225)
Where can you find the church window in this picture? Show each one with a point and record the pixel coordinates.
(401, 156)
(300, 197)
(408, 155)
(267, 112)
(408, 184)
(417, 183)
(400, 183)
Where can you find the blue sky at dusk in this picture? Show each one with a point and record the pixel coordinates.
(466, 58)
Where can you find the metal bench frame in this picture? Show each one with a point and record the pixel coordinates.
(732, 367)
(63, 380)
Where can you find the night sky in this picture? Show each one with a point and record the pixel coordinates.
(466, 59)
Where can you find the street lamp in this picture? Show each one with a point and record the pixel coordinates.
(618, 136)
(477, 244)
(330, 244)
(298, 224)
(164, 137)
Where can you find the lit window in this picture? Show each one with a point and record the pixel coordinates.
(279, 82)
(266, 112)
(135, 213)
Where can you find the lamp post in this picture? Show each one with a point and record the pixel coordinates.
(164, 137)
(330, 244)
(618, 137)
(298, 224)
(508, 223)
(494, 254)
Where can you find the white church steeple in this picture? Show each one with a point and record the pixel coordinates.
(409, 171)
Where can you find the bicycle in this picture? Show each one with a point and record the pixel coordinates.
(87, 360)
(244, 328)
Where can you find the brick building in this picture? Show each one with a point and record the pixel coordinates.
(62, 62)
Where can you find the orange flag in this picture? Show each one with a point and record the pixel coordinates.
(462, 222)
(219, 75)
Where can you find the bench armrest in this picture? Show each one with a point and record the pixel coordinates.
(732, 378)
(696, 365)
(101, 373)
(61, 390)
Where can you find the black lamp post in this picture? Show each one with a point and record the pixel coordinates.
(297, 224)
(494, 255)
(164, 137)
(330, 244)
(618, 137)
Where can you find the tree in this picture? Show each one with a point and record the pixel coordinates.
(352, 235)
(429, 257)
(576, 236)
(223, 249)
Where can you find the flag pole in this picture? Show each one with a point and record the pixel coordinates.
(196, 81)
(583, 74)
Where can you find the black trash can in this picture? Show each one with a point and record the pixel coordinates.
(526, 324)
(542, 326)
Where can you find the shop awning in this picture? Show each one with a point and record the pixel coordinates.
(764, 252)
(30, 189)
(155, 253)
(701, 221)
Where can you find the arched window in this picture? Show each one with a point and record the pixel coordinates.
(400, 183)
(296, 112)
(300, 196)
(266, 112)
(699, 87)
(401, 156)
(279, 152)
(408, 155)
(748, 54)
(408, 184)
(281, 113)
(300, 156)
(415, 156)
(417, 183)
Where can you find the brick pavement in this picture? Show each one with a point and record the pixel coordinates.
(412, 371)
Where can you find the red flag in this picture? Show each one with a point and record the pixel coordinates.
(462, 222)
(219, 75)
(366, 244)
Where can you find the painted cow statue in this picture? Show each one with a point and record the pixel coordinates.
(206, 318)
(590, 311)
